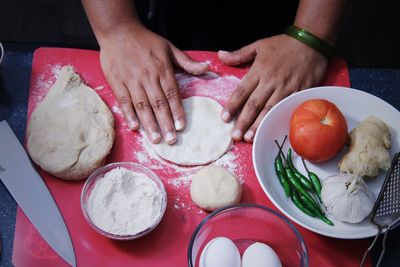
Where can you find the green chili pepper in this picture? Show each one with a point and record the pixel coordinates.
(299, 195)
(280, 172)
(296, 200)
(294, 181)
(297, 185)
(303, 180)
(326, 220)
(279, 164)
(314, 180)
(315, 208)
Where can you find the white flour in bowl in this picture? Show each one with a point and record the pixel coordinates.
(124, 202)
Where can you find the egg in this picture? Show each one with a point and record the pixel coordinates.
(220, 252)
(260, 255)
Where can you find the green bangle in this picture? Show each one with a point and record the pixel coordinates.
(311, 40)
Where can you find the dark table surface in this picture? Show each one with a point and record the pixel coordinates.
(14, 89)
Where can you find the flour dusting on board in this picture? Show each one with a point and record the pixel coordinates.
(211, 85)
(182, 175)
(42, 85)
(116, 109)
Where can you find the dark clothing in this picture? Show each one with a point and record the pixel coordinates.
(215, 25)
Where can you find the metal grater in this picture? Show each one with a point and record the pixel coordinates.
(386, 212)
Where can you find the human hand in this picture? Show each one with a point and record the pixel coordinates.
(281, 66)
(138, 64)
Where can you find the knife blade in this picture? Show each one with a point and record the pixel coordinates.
(32, 195)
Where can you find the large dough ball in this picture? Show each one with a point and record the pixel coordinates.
(72, 131)
(213, 187)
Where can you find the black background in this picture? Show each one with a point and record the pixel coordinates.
(369, 34)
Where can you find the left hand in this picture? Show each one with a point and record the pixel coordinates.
(281, 66)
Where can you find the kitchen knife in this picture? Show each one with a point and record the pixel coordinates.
(32, 195)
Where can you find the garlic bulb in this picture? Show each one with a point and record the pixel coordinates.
(347, 197)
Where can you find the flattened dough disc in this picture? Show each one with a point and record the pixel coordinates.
(205, 138)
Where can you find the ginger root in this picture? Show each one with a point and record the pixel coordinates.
(369, 149)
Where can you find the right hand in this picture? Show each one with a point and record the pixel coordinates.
(138, 64)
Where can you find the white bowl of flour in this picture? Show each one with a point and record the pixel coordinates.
(123, 200)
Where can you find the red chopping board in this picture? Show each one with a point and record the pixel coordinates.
(167, 244)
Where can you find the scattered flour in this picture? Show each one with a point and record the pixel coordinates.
(211, 85)
(43, 85)
(182, 176)
(125, 202)
(150, 159)
(116, 109)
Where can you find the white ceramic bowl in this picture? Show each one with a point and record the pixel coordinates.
(356, 106)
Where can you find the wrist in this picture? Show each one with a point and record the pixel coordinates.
(320, 17)
(311, 40)
(321, 33)
(120, 32)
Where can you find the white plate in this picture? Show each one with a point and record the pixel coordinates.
(356, 106)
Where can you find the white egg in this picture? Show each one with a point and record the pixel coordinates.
(220, 252)
(260, 255)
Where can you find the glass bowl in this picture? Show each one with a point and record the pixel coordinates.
(1, 53)
(245, 224)
(99, 174)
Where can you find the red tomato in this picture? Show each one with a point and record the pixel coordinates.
(318, 130)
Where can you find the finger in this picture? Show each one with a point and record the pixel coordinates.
(161, 109)
(239, 97)
(145, 112)
(183, 61)
(171, 91)
(238, 57)
(250, 111)
(125, 103)
(272, 101)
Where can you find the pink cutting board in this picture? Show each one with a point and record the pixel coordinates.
(167, 244)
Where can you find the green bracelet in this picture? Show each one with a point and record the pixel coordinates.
(311, 40)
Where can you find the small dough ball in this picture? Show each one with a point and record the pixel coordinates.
(213, 187)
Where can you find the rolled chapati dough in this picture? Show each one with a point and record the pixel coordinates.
(213, 187)
(72, 131)
(205, 138)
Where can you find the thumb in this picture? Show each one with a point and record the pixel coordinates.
(186, 63)
(238, 57)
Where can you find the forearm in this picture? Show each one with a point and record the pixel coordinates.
(107, 17)
(321, 17)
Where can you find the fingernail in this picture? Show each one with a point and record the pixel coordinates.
(170, 138)
(178, 125)
(223, 51)
(225, 116)
(237, 134)
(155, 136)
(249, 135)
(133, 125)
